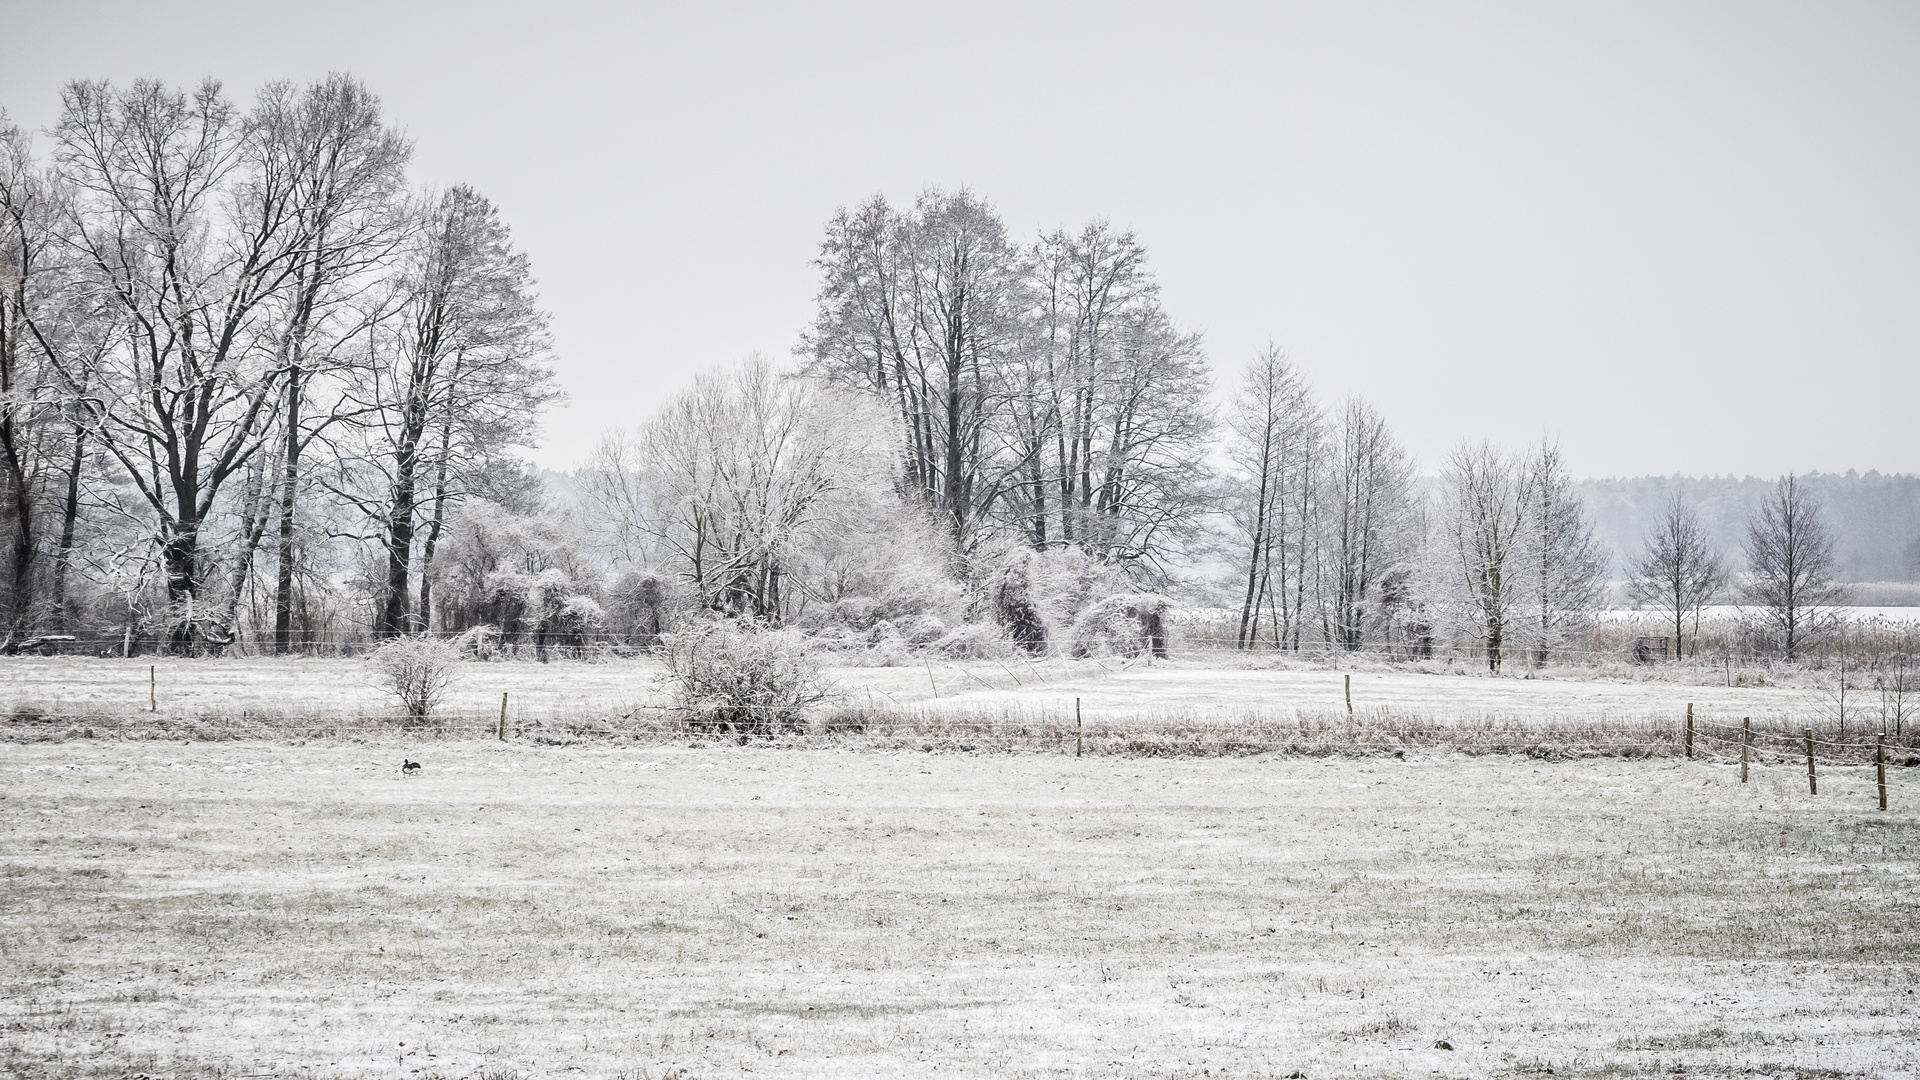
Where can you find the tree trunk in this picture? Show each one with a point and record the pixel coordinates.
(253, 526)
(393, 618)
(20, 544)
(434, 526)
(180, 556)
(69, 518)
(289, 491)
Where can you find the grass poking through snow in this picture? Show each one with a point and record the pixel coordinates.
(269, 909)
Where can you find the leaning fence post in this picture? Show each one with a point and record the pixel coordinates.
(1880, 765)
(503, 717)
(1813, 785)
(1746, 740)
(1076, 727)
(1689, 731)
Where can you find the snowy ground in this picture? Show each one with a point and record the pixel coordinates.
(76, 686)
(302, 910)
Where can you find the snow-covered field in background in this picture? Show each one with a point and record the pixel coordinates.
(276, 910)
(1732, 611)
(79, 685)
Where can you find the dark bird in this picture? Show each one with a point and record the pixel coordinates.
(408, 768)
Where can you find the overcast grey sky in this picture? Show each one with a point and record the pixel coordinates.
(1685, 237)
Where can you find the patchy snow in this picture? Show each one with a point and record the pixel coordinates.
(75, 686)
(603, 911)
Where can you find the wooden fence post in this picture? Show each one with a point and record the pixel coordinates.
(1076, 727)
(1689, 731)
(153, 688)
(1349, 695)
(1813, 785)
(1746, 740)
(503, 717)
(1880, 765)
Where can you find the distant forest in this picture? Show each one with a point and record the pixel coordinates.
(1875, 518)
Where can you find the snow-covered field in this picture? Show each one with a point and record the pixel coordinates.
(78, 686)
(268, 909)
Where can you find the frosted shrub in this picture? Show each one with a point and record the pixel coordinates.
(975, 641)
(744, 679)
(1013, 605)
(1124, 625)
(641, 607)
(415, 670)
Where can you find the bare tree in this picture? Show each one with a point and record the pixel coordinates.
(1790, 568)
(921, 310)
(1678, 570)
(1274, 428)
(1085, 289)
(734, 477)
(459, 375)
(191, 239)
(1565, 567)
(346, 168)
(1363, 509)
(28, 283)
(1484, 518)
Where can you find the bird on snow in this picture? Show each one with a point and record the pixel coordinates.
(408, 768)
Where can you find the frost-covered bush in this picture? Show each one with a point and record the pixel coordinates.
(416, 671)
(975, 641)
(524, 575)
(1066, 582)
(741, 678)
(642, 605)
(478, 642)
(1125, 625)
(887, 563)
(923, 630)
(1014, 606)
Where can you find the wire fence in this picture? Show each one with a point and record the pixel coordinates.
(1200, 733)
(1732, 668)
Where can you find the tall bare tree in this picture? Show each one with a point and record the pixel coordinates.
(735, 478)
(1678, 571)
(1790, 568)
(191, 237)
(1483, 520)
(459, 374)
(1565, 567)
(921, 309)
(1274, 434)
(1364, 509)
(28, 283)
(346, 168)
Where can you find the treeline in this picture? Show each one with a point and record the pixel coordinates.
(249, 371)
(1876, 518)
(259, 390)
(991, 439)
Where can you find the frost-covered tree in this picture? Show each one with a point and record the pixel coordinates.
(1275, 431)
(730, 481)
(1678, 571)
(1106, 406)
(920, 309)
(1483, 521)
(1790, 568)
(347, 167)
(459, 372)
(1364, 508)
(1041, 391)
(192, 234)
(1564, 567)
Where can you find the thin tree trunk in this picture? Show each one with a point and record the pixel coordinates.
(289, 492)
(69, 518)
